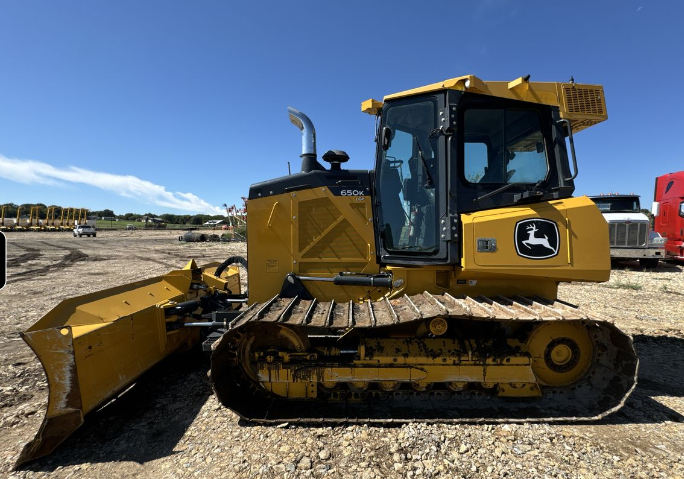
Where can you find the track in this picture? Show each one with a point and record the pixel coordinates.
(30, 255)
(600, 391)
(68, 259)
(168, 264)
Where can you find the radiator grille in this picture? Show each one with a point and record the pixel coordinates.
(628, 234)
(584, 100)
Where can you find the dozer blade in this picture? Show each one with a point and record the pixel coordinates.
(92, 347)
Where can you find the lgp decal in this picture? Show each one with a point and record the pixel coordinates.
(537, 238)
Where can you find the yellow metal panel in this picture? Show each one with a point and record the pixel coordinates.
(500, 224)
(229, 280)
(372, 107)
(317, 234)
(111, 304)
(269, 242)
(582, 229)
(588, 240)
(453, 84)
(583, 254)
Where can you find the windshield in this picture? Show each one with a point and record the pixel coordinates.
(503, 146)
(622, 205)
(408, 178)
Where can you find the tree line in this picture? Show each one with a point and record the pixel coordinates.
(169, 218)
(11, 212)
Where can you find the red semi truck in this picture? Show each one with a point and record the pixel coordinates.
(668, 208)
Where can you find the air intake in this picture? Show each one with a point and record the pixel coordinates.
(583, 100)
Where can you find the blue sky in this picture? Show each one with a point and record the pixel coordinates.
(170, 106)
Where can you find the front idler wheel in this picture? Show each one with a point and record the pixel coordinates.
(266, 337)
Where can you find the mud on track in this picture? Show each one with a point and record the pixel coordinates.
(170, 424)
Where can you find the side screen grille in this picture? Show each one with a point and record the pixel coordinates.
(628, 234)
(584, 100)
(578, 125)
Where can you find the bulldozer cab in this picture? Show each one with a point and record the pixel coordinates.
(447, 153)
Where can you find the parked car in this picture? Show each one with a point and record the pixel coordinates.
(85, 230)
(131, 227)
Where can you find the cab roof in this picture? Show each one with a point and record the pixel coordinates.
(583, 104)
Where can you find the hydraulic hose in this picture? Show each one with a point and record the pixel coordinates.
(231, 260)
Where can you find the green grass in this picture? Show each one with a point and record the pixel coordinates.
(621, 285)
(121, 224)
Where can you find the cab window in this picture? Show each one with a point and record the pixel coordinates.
(503, 146)
(408, 179)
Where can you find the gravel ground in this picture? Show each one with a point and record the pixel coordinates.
(171, 425)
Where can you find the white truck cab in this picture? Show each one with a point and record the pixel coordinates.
(629, 230)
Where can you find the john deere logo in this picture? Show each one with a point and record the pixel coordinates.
(536, 238)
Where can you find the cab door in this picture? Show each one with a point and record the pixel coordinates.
(410, 199)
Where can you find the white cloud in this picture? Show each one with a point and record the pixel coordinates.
(146, 192)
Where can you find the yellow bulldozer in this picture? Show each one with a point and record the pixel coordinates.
(424, 289)
(3, 226)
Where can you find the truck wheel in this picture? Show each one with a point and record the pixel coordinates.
(95, 235)
(648, 263)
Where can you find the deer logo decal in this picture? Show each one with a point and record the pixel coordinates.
(537, 238)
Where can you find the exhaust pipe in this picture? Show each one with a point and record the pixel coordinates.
(308, 156)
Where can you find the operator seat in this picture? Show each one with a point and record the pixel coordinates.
(392, 210)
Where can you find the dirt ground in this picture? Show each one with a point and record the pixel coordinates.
(171, 425)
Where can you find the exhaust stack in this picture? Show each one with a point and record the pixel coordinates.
(308, 156)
